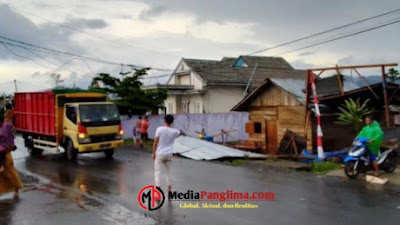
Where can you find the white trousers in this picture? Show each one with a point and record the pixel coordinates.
(160, 161)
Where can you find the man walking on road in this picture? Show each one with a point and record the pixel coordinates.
(144, 126)
(163, 149)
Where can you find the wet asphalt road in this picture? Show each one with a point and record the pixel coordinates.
(105, 192)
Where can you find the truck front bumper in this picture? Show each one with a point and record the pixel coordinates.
(101, 146)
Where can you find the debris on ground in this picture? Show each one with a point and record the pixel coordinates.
(203, 150)
(376, 180)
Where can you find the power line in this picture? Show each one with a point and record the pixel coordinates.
(22, 56)
(326, 31)
(81, 31)
(59, 52)
(68, 61)
(36, 47)
(341, 37)
(39, 56)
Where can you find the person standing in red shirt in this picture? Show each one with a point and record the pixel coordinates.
(144, 126)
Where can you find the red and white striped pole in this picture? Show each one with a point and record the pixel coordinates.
(320, 149)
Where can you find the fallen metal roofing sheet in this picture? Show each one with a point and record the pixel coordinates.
(203, 150)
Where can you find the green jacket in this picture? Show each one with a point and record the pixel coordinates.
(374, 133)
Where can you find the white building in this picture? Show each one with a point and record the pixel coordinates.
(212, 86)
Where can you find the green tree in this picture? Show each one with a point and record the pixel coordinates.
(128, 95)
(352, 113)
(393, 75)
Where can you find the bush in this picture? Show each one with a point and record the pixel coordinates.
(324, 167)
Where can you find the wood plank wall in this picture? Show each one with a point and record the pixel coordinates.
(276, 105)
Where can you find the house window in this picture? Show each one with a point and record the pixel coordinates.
(241, 63)
(257, 128)
(184, 79)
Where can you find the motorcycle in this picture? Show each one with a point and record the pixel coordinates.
(358, 161)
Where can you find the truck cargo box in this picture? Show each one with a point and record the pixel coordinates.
(34, 112)
(37, 112)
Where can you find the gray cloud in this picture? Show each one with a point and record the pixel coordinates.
(302, 64)
(86, 23)
(305, 54)
(16, 26)
(148, 14)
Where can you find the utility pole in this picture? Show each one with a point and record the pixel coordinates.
(251, 78)
(57, 79)
(15, 85)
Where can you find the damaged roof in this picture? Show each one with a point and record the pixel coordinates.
(330, 85)
(294, 87)
(203, 150)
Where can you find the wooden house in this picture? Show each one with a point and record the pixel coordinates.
(278, 105)
(274, 107)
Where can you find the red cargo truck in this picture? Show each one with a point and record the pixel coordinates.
(80, 121)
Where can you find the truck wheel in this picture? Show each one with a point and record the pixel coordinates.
(109, 153)
(32, 150)
(72, 153)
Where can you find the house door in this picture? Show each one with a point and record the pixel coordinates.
(271, 136)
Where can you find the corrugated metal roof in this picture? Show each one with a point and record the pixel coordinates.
(223, 72)
(293, 86)
(203, 150)
(330, 85)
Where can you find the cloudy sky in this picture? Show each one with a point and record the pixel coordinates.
(158, 33)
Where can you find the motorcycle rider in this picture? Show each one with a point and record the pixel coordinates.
(374, 133)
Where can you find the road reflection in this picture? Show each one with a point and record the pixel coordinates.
(88, 175)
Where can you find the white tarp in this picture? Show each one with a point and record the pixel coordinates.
(203, 150)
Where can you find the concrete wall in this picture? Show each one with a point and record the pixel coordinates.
(217, 100)
(171, 101)
(190, 123)
(223, 99)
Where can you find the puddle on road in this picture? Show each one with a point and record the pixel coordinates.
(111, 212)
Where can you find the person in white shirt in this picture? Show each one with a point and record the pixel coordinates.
(163, 149)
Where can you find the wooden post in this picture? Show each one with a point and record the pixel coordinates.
(385, 96)
(366, 83)
(320, 73)
(339, 80)
(307, 96)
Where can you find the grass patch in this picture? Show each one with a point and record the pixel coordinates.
(324, 167)
(128, 141)
(236, 162)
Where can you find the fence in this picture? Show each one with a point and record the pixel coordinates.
(190, 123)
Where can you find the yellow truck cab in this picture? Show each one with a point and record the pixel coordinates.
(80, 121)
(90, 127)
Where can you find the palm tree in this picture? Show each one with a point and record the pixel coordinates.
(352, 112)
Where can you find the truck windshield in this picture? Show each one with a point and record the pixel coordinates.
(99, 115)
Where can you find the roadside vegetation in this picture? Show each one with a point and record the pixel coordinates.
(236, 162)
(324, 167)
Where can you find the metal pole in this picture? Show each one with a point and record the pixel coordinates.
(251, 77)
(15, 84)
(385, 96)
